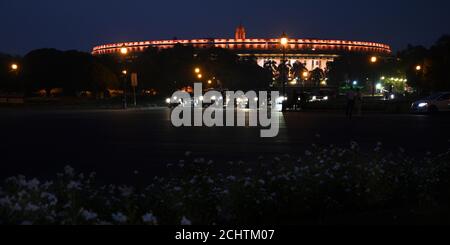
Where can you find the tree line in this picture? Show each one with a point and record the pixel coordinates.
(159, 71)
(425, 69)
(163, 71)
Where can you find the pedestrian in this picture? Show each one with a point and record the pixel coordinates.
(359, 102)
(350, 103)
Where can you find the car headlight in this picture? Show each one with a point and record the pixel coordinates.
(280, 99)
(325, 98)
(422, 105)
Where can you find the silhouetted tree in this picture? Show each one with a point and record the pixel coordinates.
(317, 75)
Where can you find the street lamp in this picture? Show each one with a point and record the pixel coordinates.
(284, 42)
(124, 53)
(209, 82)
(199, 76)
(305, 74)
(373, 59)
(197, 70)
(14, 67)
(418, 68)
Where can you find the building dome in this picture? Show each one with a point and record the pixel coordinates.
(240, 32)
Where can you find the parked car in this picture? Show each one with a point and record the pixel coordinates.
(434, 103)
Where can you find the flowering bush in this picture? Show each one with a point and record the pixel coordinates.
(322, 185)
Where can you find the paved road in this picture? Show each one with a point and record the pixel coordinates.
(115, 143)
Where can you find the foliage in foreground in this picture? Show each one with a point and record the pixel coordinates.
(323, 185)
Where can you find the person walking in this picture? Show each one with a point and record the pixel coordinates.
(350, 103)
(359, 102)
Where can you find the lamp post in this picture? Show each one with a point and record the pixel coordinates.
(419, 77)
(284, 42)
(124, 53)
(373, 60)
(15, 71)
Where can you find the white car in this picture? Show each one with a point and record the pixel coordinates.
(434, 103)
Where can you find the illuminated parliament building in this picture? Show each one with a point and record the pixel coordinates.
(312, 53)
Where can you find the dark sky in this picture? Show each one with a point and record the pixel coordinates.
(81, 24)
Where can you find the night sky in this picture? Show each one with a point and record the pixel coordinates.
(31, 24)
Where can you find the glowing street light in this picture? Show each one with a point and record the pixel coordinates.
(14, 67)
(197, 70)
(373, 59)
(209, 82)
(379, 86)
(418, 68)
(199, 76)
(305, 74)
(123, 51)
(284, 39)
(124, 72)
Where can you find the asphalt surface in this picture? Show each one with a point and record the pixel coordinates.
(118, 144)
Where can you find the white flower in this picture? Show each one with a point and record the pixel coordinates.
(92, 175)
(231, 178)
(5, 201)
(74, 185)
(199, 160)
(119, 217)
(88, 215)
(149, 218)
(185, 221)
(47, 185)
(31, 207)
(68, 170)
(33, 184)
(247, 183)
(52, 199)
(126, 191)
(17, 207)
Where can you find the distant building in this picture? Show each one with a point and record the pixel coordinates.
(240, 33)
(312, 53)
